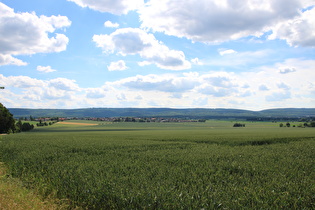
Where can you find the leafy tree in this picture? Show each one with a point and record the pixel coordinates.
(288, 124)
(239, 125)
(311, 124)
(281, 125)
(27, 127)
(7, 122)
(19, 126)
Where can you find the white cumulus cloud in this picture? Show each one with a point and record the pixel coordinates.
(110, 24)
(117, 66)
(117, 7)
(22, 82)
(131, 41)
(226, 52)
(164, 83)
(10, 60)
(45, 69)
(64, 84)
(27, 34)
(196, 61)
(219, 20)
(299, 31)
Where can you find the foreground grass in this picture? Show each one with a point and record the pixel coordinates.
(14, 196)
(174, 166)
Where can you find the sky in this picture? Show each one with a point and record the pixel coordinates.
(250, 54)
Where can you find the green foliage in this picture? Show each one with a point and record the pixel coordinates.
(311, 124)
(40, 124)
(27, 127)
(22, 127)
(168, 165)
(7, 122)
(19, 126)
(239, 125)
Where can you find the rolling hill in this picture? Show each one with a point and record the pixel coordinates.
(165, 112)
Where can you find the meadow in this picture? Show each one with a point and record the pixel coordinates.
(167, 165)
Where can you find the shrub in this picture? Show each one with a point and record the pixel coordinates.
(239, 125)
(27, 127)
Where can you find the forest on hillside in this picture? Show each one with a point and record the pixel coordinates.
(269, 114)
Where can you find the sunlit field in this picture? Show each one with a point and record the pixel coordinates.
(167, 165)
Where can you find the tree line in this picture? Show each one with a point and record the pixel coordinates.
(306, 124)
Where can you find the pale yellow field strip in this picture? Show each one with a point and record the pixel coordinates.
(73, 123)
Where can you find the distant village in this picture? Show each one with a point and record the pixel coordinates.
(115, 119)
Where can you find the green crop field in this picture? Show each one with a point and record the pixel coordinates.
(167, 165)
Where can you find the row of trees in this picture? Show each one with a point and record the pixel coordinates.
(310, 124)
(41, 123)
(286, 125)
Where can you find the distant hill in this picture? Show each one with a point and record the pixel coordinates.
(165, 112)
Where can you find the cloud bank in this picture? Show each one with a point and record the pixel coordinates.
(221, 20)
(255, 90)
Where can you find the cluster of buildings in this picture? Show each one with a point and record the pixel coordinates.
(142, 119)
(119, 119)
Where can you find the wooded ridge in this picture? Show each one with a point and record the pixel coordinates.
(165, 112)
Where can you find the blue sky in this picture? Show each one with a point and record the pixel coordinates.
(180, 54)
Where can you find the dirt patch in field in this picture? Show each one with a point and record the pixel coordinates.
(73, 123)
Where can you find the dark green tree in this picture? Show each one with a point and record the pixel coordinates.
(239, 125)
(7, 122)
(19, 126)
(27, 127)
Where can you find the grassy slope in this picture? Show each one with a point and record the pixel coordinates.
(14, 196)
(169, 165)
